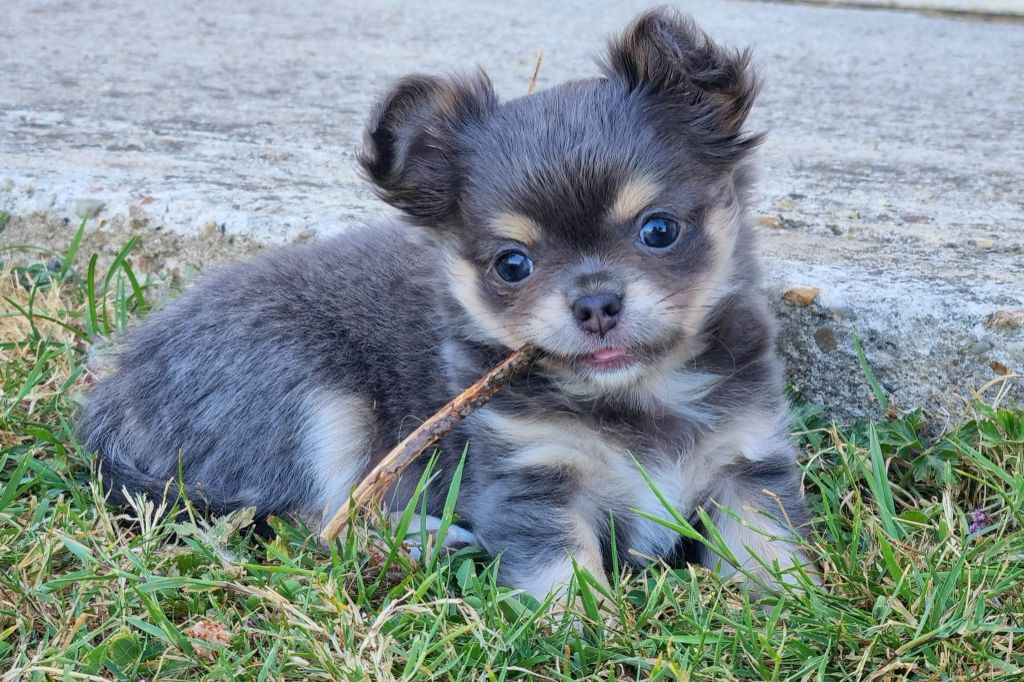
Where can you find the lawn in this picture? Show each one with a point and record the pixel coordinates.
(919, 539)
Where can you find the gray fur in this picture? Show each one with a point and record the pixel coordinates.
(227, 377)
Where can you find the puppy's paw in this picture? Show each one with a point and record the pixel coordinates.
(593, 608)
(455, 538)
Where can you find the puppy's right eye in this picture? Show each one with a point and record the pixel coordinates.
(513, 266)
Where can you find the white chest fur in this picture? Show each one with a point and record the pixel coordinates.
(608, 477)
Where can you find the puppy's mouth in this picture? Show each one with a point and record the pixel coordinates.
(617, 364)
(619, 361)
(608, 359)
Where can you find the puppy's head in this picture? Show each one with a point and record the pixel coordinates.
(597, 219)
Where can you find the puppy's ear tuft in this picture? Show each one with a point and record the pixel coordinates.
(709, 88)
(411, 145)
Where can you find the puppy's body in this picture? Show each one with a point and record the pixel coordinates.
(602, 221)
(278, 380)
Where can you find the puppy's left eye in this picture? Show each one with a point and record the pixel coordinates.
(659, 232)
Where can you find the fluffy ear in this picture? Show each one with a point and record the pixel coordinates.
(410, 146)
(709, 88)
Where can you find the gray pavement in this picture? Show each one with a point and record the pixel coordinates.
(995, 8)
(893, 176)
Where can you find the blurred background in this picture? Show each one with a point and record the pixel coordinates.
(890, 202)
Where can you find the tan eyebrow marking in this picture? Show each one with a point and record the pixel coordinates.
(634, 196)
(517, 227)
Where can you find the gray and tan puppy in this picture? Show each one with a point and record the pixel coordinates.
(602, 220)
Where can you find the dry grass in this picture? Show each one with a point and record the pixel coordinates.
(36, 331)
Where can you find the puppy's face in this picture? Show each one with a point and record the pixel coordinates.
(596, 220)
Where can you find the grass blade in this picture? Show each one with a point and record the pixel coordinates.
(69, 257)
(862, 360)
(878, 481)
(449, 510)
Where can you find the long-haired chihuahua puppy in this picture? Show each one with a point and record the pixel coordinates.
(603, 221)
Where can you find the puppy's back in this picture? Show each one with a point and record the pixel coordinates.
(271, 380)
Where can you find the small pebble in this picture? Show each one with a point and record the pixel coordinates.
(87, 208)
(210, 231)
(999, 368)
(800, 297)
(981, 347)
(1004, 319)
(825, 337)
(137, 218)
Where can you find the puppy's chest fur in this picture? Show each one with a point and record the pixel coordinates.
(594, 459)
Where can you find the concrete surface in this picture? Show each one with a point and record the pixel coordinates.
(893, 178)
(1011, 8)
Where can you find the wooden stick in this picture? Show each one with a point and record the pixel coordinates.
(376, 483)
(536, 71)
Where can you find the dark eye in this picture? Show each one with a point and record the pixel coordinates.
(659, 233)
(513, 266)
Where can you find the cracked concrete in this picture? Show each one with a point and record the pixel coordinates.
(893, 176)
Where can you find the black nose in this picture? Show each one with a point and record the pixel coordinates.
(598, 313)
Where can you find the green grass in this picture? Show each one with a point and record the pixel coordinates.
(920, 541)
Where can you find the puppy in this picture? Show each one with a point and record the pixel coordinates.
(603, 221)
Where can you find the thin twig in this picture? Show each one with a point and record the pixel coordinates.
(381, 477)
(536, 70)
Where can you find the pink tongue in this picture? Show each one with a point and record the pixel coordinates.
(608, 355)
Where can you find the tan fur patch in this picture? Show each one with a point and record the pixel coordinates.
(633, 197)
(464, 281)
(753, 537)
(588, 552)
(555, 441)
(516, 227)
(336, 442)
(721, 225)
(751, 436)
(552, 577)
(748, 435)
(555, 576)
(552, 327)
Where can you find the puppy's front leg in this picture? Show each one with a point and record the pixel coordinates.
(765, 513)
(531, 521)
